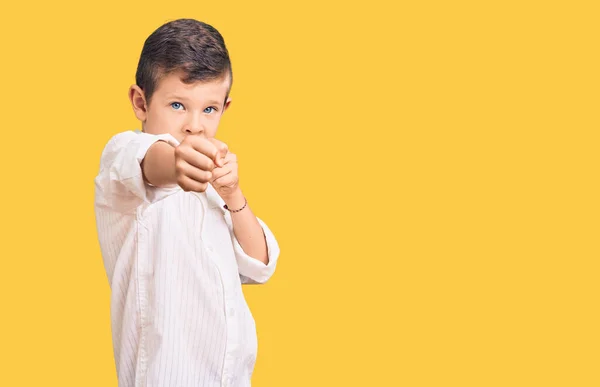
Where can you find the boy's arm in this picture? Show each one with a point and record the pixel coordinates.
(255, 247)
(120, 184)
(188, 165)
(158, 166)
(246, 227)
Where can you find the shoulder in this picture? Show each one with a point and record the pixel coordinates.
(121, 139)
(131, 145)
(118, 142)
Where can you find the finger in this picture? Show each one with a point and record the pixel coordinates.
(188, 184)
(204, 146)
(228, 180)
(230, 158)
(222, 151)
(224, 180)
(195, 158)
(220, 172)
(197, 174)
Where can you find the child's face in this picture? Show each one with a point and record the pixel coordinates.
(182, 109)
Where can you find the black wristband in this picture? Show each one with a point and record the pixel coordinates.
(244, 206)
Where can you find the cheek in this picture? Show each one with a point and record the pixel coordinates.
(162, 122)
(212, 126)
(156, 116)
(168, 119)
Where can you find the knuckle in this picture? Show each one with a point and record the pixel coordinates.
(179, 151)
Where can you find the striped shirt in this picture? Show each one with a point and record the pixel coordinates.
(175, 269)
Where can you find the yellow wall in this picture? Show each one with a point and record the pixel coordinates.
(430, 170)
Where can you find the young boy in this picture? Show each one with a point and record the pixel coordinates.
(176, 233)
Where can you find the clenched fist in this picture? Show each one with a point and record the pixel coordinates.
(225, 178)
(196, 159)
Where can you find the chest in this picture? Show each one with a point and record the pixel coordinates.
(195, 226)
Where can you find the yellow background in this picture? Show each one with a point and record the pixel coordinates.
(430, 169)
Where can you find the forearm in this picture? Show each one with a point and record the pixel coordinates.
(158, 165)
(246, 228)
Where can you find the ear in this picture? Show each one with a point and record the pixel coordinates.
(226, 104)
(138, 101)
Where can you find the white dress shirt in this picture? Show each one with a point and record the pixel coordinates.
(175, 268)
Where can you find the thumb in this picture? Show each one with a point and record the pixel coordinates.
(222, 151)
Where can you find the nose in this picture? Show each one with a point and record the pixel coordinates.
(193, 125)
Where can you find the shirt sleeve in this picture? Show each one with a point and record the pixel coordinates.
(253, 271)
(120, 183)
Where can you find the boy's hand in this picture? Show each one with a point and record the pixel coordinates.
(196, 158)
(225, 179)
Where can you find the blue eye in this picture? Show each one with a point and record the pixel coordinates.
(176, 105)
(209, 111)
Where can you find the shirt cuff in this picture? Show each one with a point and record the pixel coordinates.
(251, 269)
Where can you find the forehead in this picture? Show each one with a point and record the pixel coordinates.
(172, 84)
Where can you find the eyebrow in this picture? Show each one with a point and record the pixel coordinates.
(175, 96)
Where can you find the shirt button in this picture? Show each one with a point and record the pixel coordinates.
(231, 312)
(210, 248)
